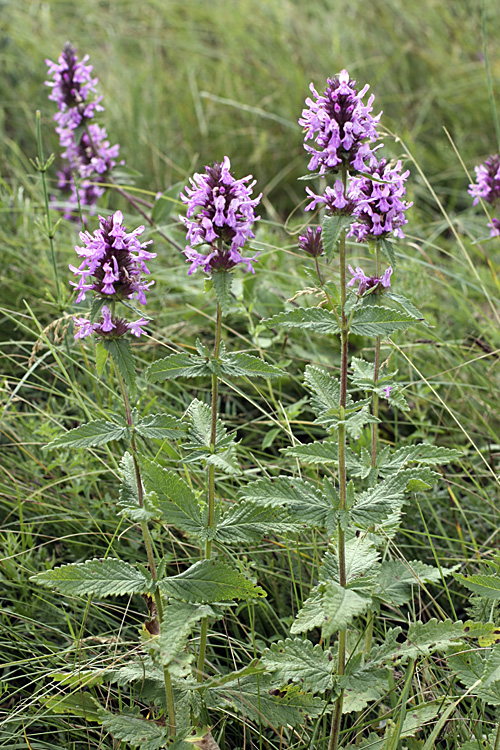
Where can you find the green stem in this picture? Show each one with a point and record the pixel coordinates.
(496, 746)
(42, 167)
(344, 344)
(169, 692)
(211, 488)
(376, 369)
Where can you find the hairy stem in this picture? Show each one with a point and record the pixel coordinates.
(344, 344)
(169, 692)
(211, 488)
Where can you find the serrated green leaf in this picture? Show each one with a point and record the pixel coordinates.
(223, 454)
(319, 452)
(139, 732)
(160, 427)
(362, 685)
(407, 306)
(332, 228)
(310, 616)
(239, 364)
(396, 578)
(484, 585)
(487, 743)
(101, 357)
(222, 281)
(491, 672)
(249, 523)
(298, 661)
(341, 606)
(422, 453)
(122, 355)
(376, 504)
(210, 581)
(325, 390)
(129, 496)
(179, 365)
(109, 577)
(177, 502)
(179, 618)
(360, 557)
(306, 503)
(315, 319)
(376, 320)
(417, 716)
(387, 247)
(252, 697)
(89, 435)
(427, 638)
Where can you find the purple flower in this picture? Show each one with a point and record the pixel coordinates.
(334, 199)
(340, 124)
(494, 228)
(367, 283)
(220, 214)
(113, 262)
(379, 206)
(87, 151)
(311, 243)
(488, 181)
(387, 390)
(108, 327)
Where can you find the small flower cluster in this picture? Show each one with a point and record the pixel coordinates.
(344, 128)
(87, 150)
(379, 205)
(220, 214)
(370, 283)
(113, 265)
(487, 188)
(312, 242)
(340, 124)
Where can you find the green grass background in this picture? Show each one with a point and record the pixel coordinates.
(185, 83)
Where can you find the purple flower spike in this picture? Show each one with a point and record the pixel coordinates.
(113, 265)
(387, 390)
(113, 262)
(379, 205)
(220, 214)
(87, 150)
(488, 181)
(340, 124)
(370, 283)
(311, 243)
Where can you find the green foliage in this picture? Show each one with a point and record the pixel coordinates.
(89, 435)
(178, 621)
(239, 364)
(297, 660)
(121, 352)
(305, 502)
(223, 453)
(129, 495)
(210, 581)
(246, 522)
(332, 228)
(485, 585)
(377, 320)
(159, 427)
(258, 701)
(135, 730)
(177, 503)
(312, 318)
(222, 282)
(110, 577)
(180, 365)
